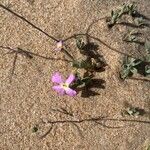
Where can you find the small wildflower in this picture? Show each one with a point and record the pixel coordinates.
(63, 87)
(59, 46)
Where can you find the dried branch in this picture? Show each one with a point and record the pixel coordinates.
(92, 120)
(45, 134)
(13, 67)
(78, 129)
(25, 53)
(29, 54)
(64, 111)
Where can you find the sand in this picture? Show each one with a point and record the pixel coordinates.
(28, 100)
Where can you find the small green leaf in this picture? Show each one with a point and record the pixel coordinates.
(82, 64)
(112, 13)
(148, 58)
(128, 67)
(86, 64)
(147, 69)
(139, 21)
(117, 14)
(148, 147)
(76, 64)
(81, 82)
(80, 43)
(136, 62)
(135, 111)
(134, 70)
(131, 60)
(131, 36)
(147, 47)
(124, 73)
(86, 80)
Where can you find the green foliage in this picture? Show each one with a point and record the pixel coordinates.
(147, 58)
(89, 64)
(140, 21)
(148, 147)
(83, 64)
(129, 67)
(147, 46)
(147, 67)
(130, 36)
(132, 66)
(132, 110)
(129, 9)
(135, 111)
(80, 43)
(114, 16)
(81, 81)
(147, 70)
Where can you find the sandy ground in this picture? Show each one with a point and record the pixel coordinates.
(29, 99)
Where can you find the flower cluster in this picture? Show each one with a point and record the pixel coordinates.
(62, 87)
(77, 80)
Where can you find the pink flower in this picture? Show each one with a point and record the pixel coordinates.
(63, 87)
(59, 46)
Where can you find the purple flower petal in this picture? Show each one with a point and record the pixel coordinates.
(56, 78)
(59, 89)
(71, 92)
(70, 79)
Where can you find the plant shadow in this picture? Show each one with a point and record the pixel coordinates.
(133, 25)
(88, 90)
(139, 15)
(136, 42)
(141, 68)
(90, 50)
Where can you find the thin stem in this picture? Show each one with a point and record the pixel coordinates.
(14, 65)
(95, 120)
(68, 54)
(24, 19)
